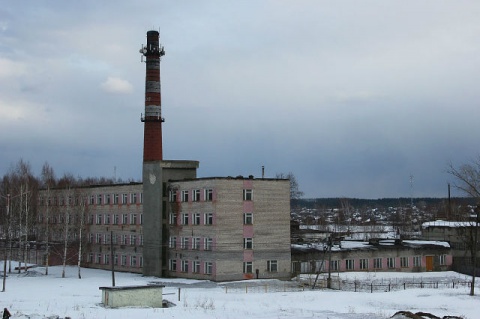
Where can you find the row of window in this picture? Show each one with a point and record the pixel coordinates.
(199, 243)
(116, 219)
(118, 260)
(391, 263)
(197, 195)
(272, 266)
(195, 243)
(194, 266)
(109, 199)
(104, 239)
(194, 195)
(202, 219)
(96, 199)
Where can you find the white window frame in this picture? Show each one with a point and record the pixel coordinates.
(248, 243)
(272, 265)
(208, 195)
(248, 218)
(248, 194)
(208, 219)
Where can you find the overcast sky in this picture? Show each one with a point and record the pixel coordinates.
(352, 97)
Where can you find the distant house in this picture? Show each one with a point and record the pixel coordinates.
(375, 255)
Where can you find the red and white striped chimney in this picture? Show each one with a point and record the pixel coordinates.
(152, 137)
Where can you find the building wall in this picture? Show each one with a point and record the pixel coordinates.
(113, 210)
(396, 258)
(239, 247)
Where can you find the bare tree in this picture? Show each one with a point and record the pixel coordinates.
(468, 181)
(295, 192)
(48, 182)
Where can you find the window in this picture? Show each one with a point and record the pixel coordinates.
(99, 199)
(247, 243)
(115, 260)
(272, 265)
(377, 263)
(125, 219)
(363, 264)
(196, 266)
(350, 264)
(133, 240)
(90, 258)
(196, 218)
(115, 239)
(99, 219)
(248, 218)
(90, 238)
(207, 243)
(106, 259)
(184, 242)
(248, 194)
(107, 219)
(390, 262)
(99, 259)
(140, 261)
(184, 266)
(115, 199)
(442, 260)
(334, 265)
(133, 219)
(208, 195)
(196, 243)
(107, 199)
(124, 198)
(106, 239)
(184, 218)
(115, 219)
(196, 195)
(247, 267)
(92, 199)
(141, 219)
(208, 219)
(184, 196)
(172, 196)
(141, 198)
(133, 260)
(172, 243)
(208, 268)
(141, 240)
(404, 262)
(124, 260)
(124, 239)
(133, 198)
(417, 261)
(173, 219)
(98, 238)
(172, 265)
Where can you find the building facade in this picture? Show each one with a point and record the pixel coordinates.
(382, 255)
(229, 228)
(211, 228)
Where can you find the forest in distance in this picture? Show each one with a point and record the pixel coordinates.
(336, 202)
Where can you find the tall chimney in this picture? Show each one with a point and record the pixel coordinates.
(152, 143)
(152, 160)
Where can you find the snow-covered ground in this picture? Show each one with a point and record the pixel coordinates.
(34, 295)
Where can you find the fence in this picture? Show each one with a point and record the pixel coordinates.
(264, 287)
(336, 283)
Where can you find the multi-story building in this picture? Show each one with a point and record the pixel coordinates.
(213, 228)
(229, 228)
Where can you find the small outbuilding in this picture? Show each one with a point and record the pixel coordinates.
(133, 296)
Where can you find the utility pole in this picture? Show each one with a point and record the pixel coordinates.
(112, 258)
(7, 238)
